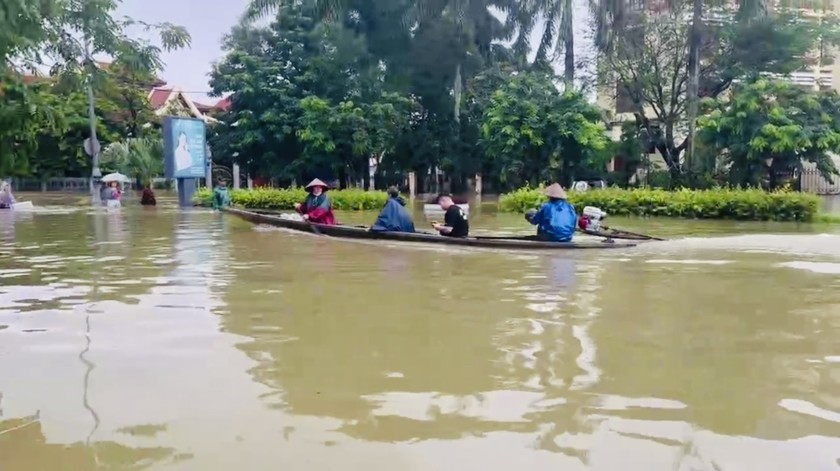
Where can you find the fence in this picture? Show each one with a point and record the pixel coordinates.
(812, 182)
(80, 185)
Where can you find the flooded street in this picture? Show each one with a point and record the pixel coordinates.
(162, 339)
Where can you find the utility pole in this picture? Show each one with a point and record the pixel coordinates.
(92, 146)
(693, 90)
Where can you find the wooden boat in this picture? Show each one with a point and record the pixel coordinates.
(609, 233)
(361, 232)
(22, 206)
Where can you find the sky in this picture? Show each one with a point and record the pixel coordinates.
(209, 20)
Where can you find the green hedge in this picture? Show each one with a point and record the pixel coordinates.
(716, 203)
(273, 198)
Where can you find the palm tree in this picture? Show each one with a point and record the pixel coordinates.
(472, 17)
(557, 35)
(140, 158)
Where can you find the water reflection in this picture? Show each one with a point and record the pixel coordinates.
(211, 345)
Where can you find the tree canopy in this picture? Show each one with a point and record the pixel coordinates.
(770, 127)
(43, 119)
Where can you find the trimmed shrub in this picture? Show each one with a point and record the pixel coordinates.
(718, 203)
(285, 199)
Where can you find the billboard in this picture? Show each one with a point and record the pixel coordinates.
(184, 147)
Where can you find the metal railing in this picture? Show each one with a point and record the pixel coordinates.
(81, 185)
(812, 181)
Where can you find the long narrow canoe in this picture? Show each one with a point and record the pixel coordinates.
(357, 232)
(610, 233)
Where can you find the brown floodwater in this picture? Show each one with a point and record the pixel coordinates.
(189, 340)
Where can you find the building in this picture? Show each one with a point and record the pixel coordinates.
(172, 101)
(163, 98)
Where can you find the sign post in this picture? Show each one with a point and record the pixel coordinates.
(92, 148)
(185, 154)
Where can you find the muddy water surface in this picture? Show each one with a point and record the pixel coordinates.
(192, 341)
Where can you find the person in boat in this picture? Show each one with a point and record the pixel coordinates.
(394, 217)
(556, 219)
(221, 195)
(317, 207)
(455, 223)
(147, 198)
(7, 199)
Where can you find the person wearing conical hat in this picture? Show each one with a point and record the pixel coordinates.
(556, 219)
(317, 207)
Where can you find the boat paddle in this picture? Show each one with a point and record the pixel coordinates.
(314, 227)
(618, 233)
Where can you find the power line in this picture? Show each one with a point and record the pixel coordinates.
(205, 92)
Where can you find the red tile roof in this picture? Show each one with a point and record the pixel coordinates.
(225, 104)
(159, 96)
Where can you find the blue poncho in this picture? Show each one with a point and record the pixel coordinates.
(394, 217)
(555, 220)
(221, 197)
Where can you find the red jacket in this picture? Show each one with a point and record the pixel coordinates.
(319, 209)
(583, 223)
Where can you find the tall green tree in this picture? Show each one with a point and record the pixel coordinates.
(140, 158)
(66, 35)
(768, 128)
(348, 135)
(649, 62)
(534, 133)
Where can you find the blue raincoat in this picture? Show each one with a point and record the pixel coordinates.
(394, 217)
(555, 221)
(221, 197)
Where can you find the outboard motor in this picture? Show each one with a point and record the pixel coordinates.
(594, 216)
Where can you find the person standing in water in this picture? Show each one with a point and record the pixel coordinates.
(7, 199)
(114, 195)
(221, 195)
(317, 207)
(147, 198)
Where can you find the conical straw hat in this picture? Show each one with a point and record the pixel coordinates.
(556, 191)
(317, 182)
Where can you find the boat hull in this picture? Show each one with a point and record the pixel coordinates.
(357, 232)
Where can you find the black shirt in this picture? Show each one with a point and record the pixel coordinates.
(457, 220)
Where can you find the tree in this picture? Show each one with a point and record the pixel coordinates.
(354, 132)
(26, 113)
(141, 158)
(535, 134)
(767, 128)
(649, 61)
(267, 71)
(125, 100)
(60, 150)
(67, 35)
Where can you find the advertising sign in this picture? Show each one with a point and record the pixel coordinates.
(184, 147)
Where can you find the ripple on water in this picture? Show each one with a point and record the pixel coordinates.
(688, 262)
(808, 408)
(823, 268)
(490, 406)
